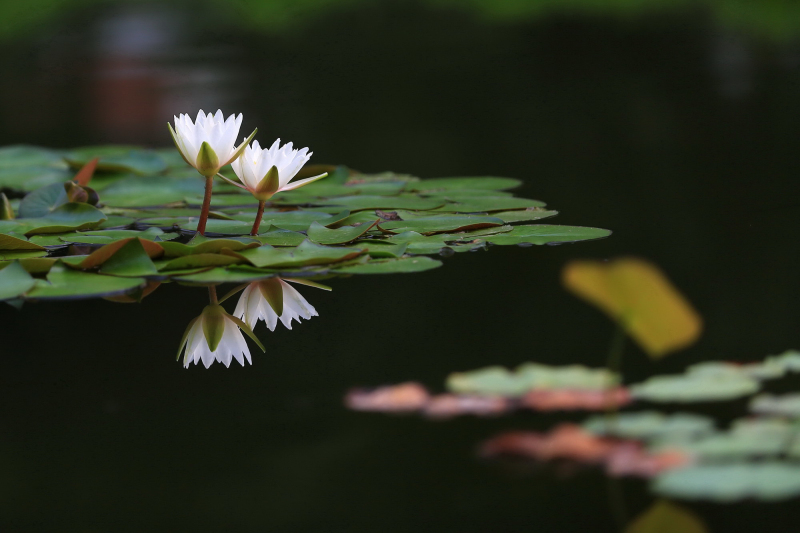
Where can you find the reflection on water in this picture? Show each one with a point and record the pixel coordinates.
(217, 336)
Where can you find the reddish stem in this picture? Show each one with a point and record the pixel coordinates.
(201, 225)
(212, 294)
(260, 213)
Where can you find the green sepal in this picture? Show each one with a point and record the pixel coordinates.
(269, 185)
(213, 325)
(177, 144)
(6, 211)
(185, 336)
(244, 327)
(241, 148)
(272, 290)
(310, 283)
(207, 161)
(233, 291)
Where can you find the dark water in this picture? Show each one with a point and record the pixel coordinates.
(676, 132)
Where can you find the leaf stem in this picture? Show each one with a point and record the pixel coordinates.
(257, 223)
(212, 294)
(201, 225)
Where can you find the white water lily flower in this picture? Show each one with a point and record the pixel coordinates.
(266, 172)
(208, 143)
(273, 299)
(216, 336)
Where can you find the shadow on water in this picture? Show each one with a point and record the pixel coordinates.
(674, 131)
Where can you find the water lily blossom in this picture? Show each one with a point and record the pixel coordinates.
(208, 144)
(266, 172)
(216, 336)
(273, 299)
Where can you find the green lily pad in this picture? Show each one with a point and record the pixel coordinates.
(15, 281)
(231, 274)
(26, 156)
(281, 237)
(403, 201)
(197, 261)
(10, 242)
(771, 404)
(726, 483)
(136, 191)
(118, 158)
(109, 236)
(306, 254)
(524, 215)
(32, 178)
(546, 234)
(651, 425)
(391, 266)
(66, 284)
(344, 234)
(455, 184)
(441, 224)
(43, 201)
(130, 261)
(497, 380)
(689, 387)
(68, 217)
(476, 204)
(745, 438)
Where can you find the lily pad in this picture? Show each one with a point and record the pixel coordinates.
(344, 234)
(306, 254)
(768, 481)
(391, 266)
(441, 224)
(546, 234)
(685, 388)
(770, 404)
(15, 281)
(477, 183)
(66, 284)
(118, 158)
(528, 377)
(651, 425)
(9, 242)
(143, 191)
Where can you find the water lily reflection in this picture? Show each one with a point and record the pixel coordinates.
(273, 299)
(216, 336)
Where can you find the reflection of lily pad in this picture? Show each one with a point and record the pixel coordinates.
(731, 482)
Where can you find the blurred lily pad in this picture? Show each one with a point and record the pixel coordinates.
(477, 183)
(725, 483)
(651, 425)
(136, 191)
(771, 404)
(528, 377)
(690, 387)
(118, 158)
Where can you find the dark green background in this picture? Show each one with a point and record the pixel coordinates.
(673, 127)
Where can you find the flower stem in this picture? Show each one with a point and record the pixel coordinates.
(201, 225)
(212, 294)
(260, 213)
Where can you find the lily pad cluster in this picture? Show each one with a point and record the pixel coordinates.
(688, 455)
(115, 220)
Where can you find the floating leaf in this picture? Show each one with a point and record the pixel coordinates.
(785, 405)
(281, 237)
(131, 260)
(651, 425)
(475, 204)
(666, 517)
(726, 483)
(42, 201)
(9, 242)
(457, 184)
(441, 224)
(405, 397)
(105, 253)
(68, 217)
(391, 266)
(694, 388)
(322, 235)
(524, 215)
(198, 261)
(640, 298)
(528, 377)
(545, 234)
(118, 158)
(150, 190)
(306, 254)
(14, 281)
(745, 438)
